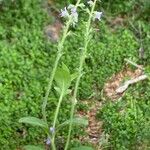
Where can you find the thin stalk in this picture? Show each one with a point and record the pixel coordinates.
(55, 118)
(82, 59)
(59, 54)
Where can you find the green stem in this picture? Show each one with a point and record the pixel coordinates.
(59, 54)
(82, 59)
(56, 116)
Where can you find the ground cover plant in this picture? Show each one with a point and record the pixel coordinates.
(27, 60)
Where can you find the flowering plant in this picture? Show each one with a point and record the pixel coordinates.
(62, 76)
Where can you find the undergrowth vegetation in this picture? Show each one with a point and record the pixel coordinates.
(26, 61)
(127, 121)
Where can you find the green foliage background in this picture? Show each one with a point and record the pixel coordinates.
(26, 58)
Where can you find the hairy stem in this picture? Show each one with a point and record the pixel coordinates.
(82, 59)
(56, 116)
(59, 54)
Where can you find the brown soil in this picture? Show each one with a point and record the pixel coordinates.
(117, 80)
(94, 129)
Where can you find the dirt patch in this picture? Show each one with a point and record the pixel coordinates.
(53, 30)
(94, 129)
(118, 79)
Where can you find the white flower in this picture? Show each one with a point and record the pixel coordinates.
(48, 141)
(90, 3)
(97, 15)
(64, 13)
(70, 12)
(74, 13)
(52, 130)
(72, 8)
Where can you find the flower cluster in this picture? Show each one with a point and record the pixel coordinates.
(70, 11)
(97, 14)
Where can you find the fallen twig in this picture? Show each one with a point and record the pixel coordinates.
(129, 82)
(122, 88)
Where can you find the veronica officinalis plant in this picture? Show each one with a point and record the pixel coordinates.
(92, 15)
(70, 20)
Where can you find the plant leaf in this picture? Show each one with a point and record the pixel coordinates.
(33, 121)
(82, 148)
(63, 78)
(76, 121)
(74, 76)
(32, 147)
(57, 89)
(64, 67)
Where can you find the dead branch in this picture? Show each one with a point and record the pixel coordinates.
(129, 82)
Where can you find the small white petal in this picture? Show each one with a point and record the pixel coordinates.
(90, 3)
(48, 142)
(64, 13)
(72, 8)
(98, 15)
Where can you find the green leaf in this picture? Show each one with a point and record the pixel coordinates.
(57, 89)
(74, 76)
(82, 148)
(64, 67)
(33, 121)
(63, 78)
(147, 71)
(68, 91)
(76, 121)
(32, 147)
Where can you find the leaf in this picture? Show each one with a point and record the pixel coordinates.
(82, 148)
(32, 147)
(57, 89)
(76, 121)
(68, 91)
(63, 78)
(33, 121)
(74, 76)
(64, 67)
